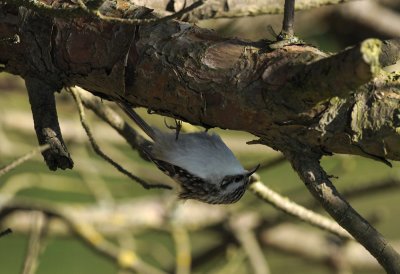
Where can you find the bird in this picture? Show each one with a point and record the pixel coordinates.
(199, 162)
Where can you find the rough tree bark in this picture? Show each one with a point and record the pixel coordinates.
(296, 99)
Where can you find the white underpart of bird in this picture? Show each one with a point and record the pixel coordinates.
(204, 154)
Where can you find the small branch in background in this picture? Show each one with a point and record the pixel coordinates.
(243, 228)
(133, 215)
(314, 247)
(371, 188)
(364, 189)
(238, 8)
(372, 15)
(35, 242)
(293, 209)
(254, 252)
(125, 258)
(97, 149)
(5, 232)
(182, 247)
(22, 159)
(126, 242)
(95, 183)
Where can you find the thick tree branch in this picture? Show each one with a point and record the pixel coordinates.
(45, 119)
(335, 75)
(203, 78)
(318, 183)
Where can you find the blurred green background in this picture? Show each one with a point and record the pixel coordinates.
(67, 254)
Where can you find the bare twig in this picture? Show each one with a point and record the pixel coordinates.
(35, 243)
(135, 140)
(22, 159)
(293, 209)
(97, 149)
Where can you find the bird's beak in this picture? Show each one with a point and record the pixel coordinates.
(249, 173)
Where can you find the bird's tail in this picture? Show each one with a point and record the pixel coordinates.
(138, 120)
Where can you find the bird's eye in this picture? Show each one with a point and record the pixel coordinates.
(238, 178)
(226, 181)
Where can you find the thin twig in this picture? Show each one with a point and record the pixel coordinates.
(97, 149)
(293, 209)
(22, 159)
(108, 115)
(35, 243)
